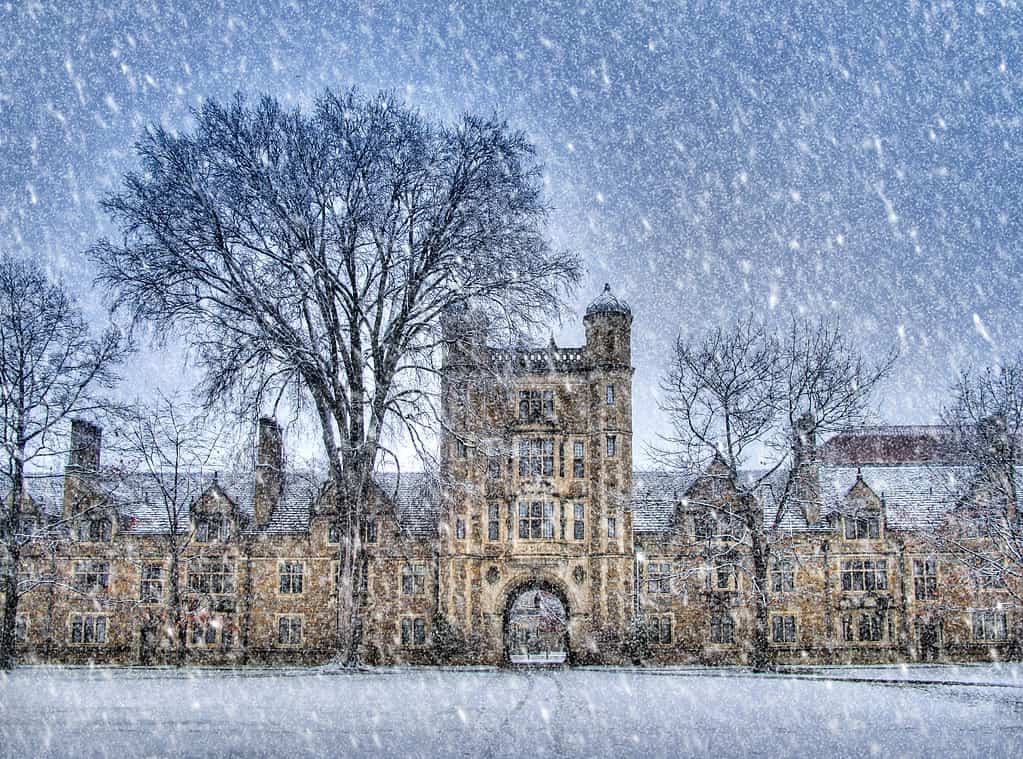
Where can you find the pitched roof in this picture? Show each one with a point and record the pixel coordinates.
(654, 496)
(916, 496)
(890, 444)
(415, 498)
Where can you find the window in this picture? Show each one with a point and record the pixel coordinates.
(493, 522)
(612, 527)
(872, 627)
(783, 576)
(460, 528)
(722, 628)
(659, 630)
(88, 629)
(989, 624)
(578, 521)
(210, 528)
(578, 459)
(561, 459)
(536, 520)
(865, 574)
(847, 629)
(494, 468)
(783, 629)
(203, 633)
(461, 450)
(95, 531)
(151, 583)
(990, 577)
(333, 533)
(612, 446)
(371, 530)
(91, 576)
(536, 457)
(291, 577)
(609, 395)
(722, 576)
(863, 527)
(925, 578)
(413, 579)
(21, 628)
(289, 631)
(658, 577)
(706, 526)
(413, 631)
(210, 576)
(536, 404)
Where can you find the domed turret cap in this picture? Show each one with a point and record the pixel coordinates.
(607, 303)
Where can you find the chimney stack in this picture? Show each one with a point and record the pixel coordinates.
(804, 460)
(85, 441)
(269, 470)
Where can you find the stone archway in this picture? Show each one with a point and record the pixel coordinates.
(535, 628)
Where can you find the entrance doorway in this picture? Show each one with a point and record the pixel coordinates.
(536, 627)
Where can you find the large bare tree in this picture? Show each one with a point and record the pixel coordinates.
(314, 253)
(52, 368)
(743, 395)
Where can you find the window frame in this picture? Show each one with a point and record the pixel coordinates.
(493, 521)
(413, 578)
(578, 521)
(784, 628)
(213, 576)
(84, 621)
(87, 577)
(578, 459)
(925, 578)
(290, 577)
(660, 629)
(286, 626)
(722, 628)
(658, 577)
(536, 457)
(609, 394)
(535, 519)
(864, 526)
(986, 624)
(612, 446)
(147, 582)
(783, 576)
(412, 632)
(870, 571)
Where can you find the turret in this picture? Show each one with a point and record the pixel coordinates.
(608, 323)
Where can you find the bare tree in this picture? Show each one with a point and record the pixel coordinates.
(167, 448)
(51, 369)
(745, 394)
(315, 254)
(985, 426)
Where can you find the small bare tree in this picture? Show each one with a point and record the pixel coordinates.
(315, 255)
(985, 425)
(167, 448)
(744, 394)
(51, 369)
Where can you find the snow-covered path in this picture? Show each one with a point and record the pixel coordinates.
(121, 713)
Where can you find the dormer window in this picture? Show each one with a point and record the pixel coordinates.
(210, 528)
(95, 530)
(863, 527)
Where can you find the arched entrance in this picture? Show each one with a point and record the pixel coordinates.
(536, 624)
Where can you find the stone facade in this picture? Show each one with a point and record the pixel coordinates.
(536, 492)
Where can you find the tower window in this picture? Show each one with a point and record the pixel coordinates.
(609, 395)
(612, 446)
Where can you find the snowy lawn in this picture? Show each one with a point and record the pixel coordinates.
(597, 712)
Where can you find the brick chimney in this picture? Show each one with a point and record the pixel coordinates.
(85, 442)
(83, 462)
(804, 461)
(269, 470)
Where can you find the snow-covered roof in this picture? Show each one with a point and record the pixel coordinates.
(916, 496)
(144, 508)
(654, 497)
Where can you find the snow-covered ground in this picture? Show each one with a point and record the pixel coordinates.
(132, 712)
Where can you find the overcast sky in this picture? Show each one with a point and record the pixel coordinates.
(706, 159)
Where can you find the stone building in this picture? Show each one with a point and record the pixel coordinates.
(536, 541)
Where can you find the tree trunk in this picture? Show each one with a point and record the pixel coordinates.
(760, 653)
(176, 614)
(10, 580)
